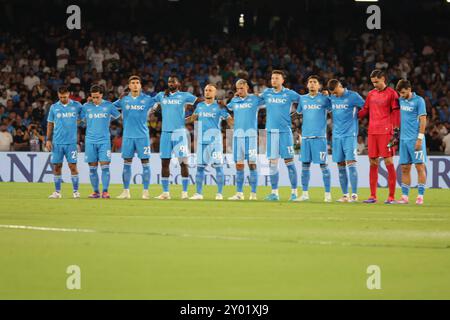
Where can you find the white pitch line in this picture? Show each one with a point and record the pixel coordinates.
(7, 226)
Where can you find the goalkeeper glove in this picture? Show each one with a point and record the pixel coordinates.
(394, 139)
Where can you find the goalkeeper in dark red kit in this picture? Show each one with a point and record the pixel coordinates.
(382, 107)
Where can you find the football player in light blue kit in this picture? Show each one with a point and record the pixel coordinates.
(62, 136)
(314, 108)
(345, 104)
(279, 103)
(97, 114)
(413, 121)
(209, 116)
(136, 137)
(245, 109)
(174, 136)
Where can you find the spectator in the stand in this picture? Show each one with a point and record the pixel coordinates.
(31, 80)
(214, 76)
(21, 139)
(6, 139)
(97, 59)
(434, 142)
(62, 56)
(36, 137)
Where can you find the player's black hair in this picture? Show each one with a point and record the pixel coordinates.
(176, 78)
(134, 78)
(332, 84)
(280, 72)
(314, 77)
(63, 90)
(377, 73)
(97, 89)
(403, 84)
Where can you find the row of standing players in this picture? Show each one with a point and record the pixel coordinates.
(382, 106)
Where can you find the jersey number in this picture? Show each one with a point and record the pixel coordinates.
(419, 155)
(323, 155)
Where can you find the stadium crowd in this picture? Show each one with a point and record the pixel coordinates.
(32, 68)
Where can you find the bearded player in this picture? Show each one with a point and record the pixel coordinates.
(382, 108)
(413, 117)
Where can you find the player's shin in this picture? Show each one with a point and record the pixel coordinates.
(146, 175)
(165, 184)
(422, 176)
(293, 177)
(75, 182)
(392, 179)
(126, 175)
(105, 177)
(326, 177)
(253, 179)
(373, 176)
(220, 179)
(274, 176)
(93, 176)
(199, 177)
(57, 180)
(306, 173)
(343, 179)
(239, 180)
(353, 175)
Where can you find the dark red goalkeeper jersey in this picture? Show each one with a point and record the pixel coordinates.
(383, 110)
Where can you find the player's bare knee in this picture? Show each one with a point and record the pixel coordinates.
(388, 161)
(287, 161)
(374, 161)
(406, 168)
(129, 160)
(420, 167)
(93, 164)
(184, 169)
(341, 164)
(252, 166)
(350, 162)
(239, 166)
(57, 168)
(73, 168)
(143, 161)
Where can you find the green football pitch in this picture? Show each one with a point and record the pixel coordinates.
(136, 249)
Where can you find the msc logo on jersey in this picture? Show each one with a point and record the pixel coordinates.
(134, 107)
(243, 106)
(171, 101)
(207, 114)
(339, 106)
(98, 115)
(277, 100)
(66, 115)
(407, 108)
(312, 107)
